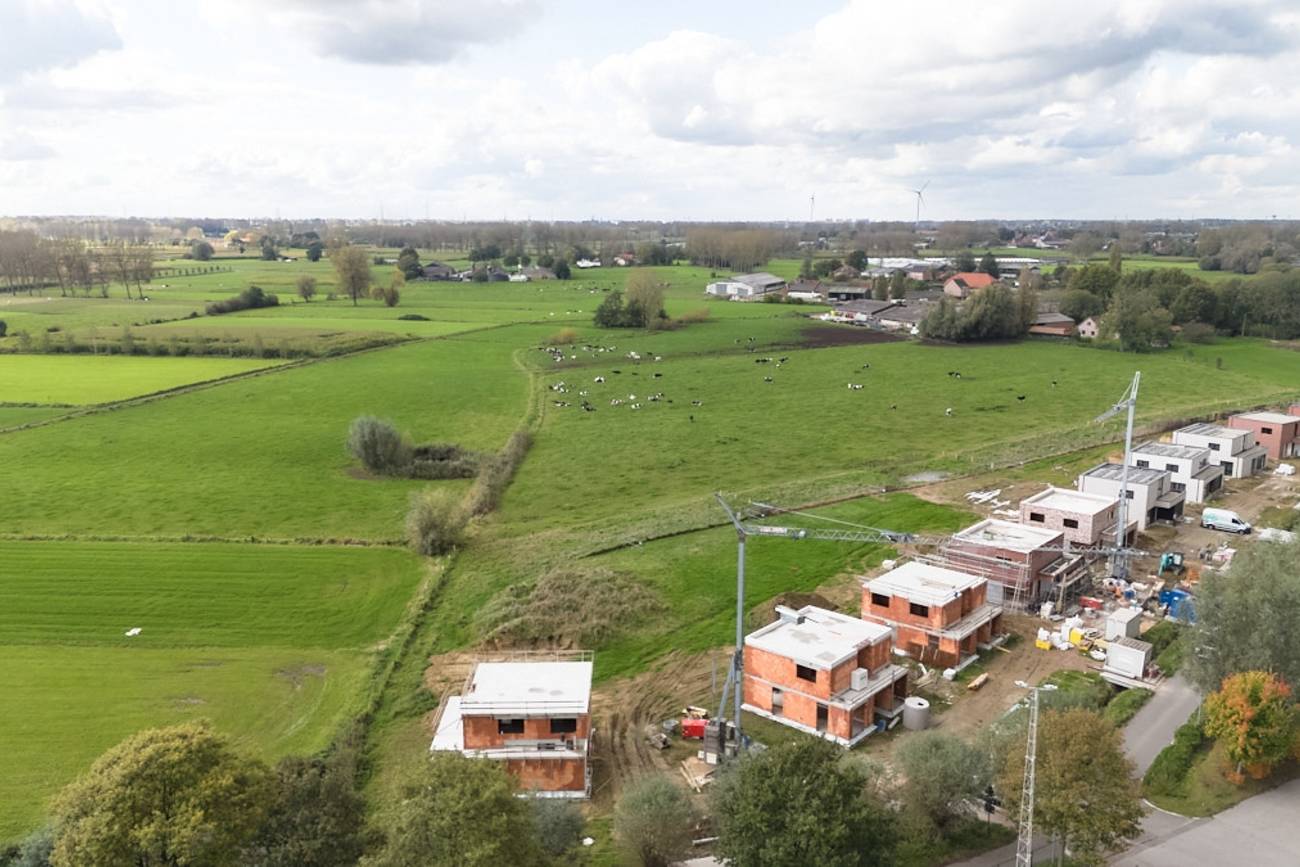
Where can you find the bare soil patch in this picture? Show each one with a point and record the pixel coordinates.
(819, 336)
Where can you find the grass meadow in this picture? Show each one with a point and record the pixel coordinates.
(82, 380)
(272, 643)
(277, 642)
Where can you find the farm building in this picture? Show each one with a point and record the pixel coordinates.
(864, 311)
(1234, 450)
(437, 271)
(1052, 325)
(1191, 470)
(746, 286)
(1088, 328)
(942, 616)
(1150, 491)
(806, 290)
(534, 714)
(587, 263)
(1278, 433)
(1021, 562)
(964, 283)
(903, 317)
(823, 672)
(1083, 519)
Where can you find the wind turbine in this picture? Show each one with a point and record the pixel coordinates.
(919, 200)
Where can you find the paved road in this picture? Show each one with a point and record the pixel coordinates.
(1152, 729)
(1259, 831)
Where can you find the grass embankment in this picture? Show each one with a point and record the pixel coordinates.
(272, 643)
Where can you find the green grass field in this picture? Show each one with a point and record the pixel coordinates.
(275, 643)
(81, 379)
(272, 643)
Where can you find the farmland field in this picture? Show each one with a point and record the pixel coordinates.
(167, 514)
(272, 643)
(81, 379)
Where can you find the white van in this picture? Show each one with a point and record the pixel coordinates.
(1224, 519)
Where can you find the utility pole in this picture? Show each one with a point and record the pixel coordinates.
(1025, 837)
(1119, 560)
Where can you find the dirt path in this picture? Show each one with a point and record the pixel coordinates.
(625, 711)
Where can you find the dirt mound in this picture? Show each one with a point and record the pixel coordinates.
(566, 607)
(817, 336)
(766, 613)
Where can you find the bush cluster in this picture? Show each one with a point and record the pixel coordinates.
(443, 461)
(250, 299)
(495, 474)
(379, 446)
(435, 524)
(1167, 772)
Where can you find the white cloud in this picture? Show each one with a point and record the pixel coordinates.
(21, 147)
(37, 35)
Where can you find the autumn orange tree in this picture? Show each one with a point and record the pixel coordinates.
(1253, 717)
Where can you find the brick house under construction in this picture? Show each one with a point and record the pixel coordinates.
(942, 616)
(1023, 563)
(823, 672)
(533, 713)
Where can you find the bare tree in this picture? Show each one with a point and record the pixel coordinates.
(352, 267)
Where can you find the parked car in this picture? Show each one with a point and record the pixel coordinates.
(1225, 520)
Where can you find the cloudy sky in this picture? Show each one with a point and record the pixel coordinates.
(673, 109)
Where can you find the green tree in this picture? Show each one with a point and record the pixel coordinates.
(806, 268)
(879, 288)
(1100, 280)
(314, 251)
(1085, 794)
(351, 270)
(857, 260)
(824, 268)
(1254, 717)
(610, 313)
(989, 265)
(561, 270)
(459, 812)
(898, 285)
(1196, 302)
(801, 803)
(942, 774)
(316, 817)
(653, 821)
(201, 251)
(559, 825)
(306, 287)
(1116, 258)
(408, 262)
(171, 796)
(269, 251)
(1142, 325)
(1079, 304)
(644, 299)
(1245, 618)
(965, 262)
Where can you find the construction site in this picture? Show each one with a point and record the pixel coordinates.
(953, 631)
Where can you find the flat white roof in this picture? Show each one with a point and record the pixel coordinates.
(1205, 429)
(823, 640)
(1269, 417)
(1005, 534)
(1124, 615)
(924, 583)
(451, 727)
(528, 689)
(1066, 500)
(1171, 450)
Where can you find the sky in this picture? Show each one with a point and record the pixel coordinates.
(761, 110)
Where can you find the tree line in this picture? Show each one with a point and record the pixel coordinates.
(29, 262)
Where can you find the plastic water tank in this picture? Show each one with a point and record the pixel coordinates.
(916, 713)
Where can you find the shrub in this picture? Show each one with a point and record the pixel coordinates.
(559, 825)
(653, 821)
(496, 472)
(1167, 772)
(413, 317)
(700, 314)
(379, 446)
(4, 328)
(1125, 706)
(434, 524)
(564, 337)
(250, 299)
(1198, 332)
(443, 461)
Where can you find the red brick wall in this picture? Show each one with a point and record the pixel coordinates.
(781, 671)
(481, 731)
(899, 609)
(549, 775)
(1276, 443)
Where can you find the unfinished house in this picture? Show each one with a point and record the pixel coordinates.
(533, 713)
(941, 616)
(1023, 563)
(824, 673)
(1151, 496)
(1234, 450)
(1082, 519)
(1191, 470)
(1278, 433)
